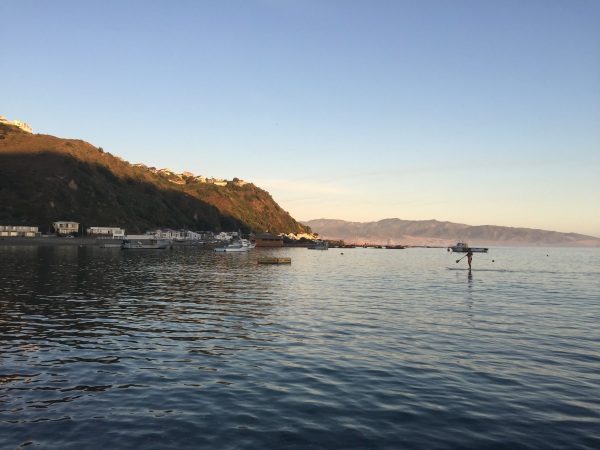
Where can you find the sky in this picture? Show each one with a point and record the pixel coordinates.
(468, 111)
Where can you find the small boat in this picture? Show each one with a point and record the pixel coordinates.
(463, 247)
(274, 260)
(237, 245)
(146, 244)
(319, 245)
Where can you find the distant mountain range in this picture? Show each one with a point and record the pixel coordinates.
(434, 233)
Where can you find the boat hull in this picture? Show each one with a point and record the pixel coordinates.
(319, 245)
(231, 249)
(144, 245)
(468, 249)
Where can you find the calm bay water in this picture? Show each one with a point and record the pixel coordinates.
(347, 348)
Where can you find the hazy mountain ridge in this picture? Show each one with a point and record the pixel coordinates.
(45, 179)
(433, 232)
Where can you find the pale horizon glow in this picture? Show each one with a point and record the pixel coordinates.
(482, 113)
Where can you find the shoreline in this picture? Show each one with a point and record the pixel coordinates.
(87, 241)
(47, 241)
(78, 241)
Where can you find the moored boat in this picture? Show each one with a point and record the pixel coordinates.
(237, 245)
(463, 247)
(319, 245)
(146, 244)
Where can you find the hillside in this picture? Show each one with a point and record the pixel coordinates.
(45, 179)
(433, 232)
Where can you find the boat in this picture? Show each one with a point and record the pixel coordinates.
(146, 244)
(237, 245)
(463, 247)
(319, 245)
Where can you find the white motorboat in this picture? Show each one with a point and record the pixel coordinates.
(237, 245)
(319, 245)
(463, 247)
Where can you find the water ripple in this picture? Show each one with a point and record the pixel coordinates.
(189, 348)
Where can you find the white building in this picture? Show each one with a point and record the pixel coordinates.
(181, 235)
(17, 123)
(117, 233)
(227, 235)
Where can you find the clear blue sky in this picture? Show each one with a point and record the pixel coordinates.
(477, 112)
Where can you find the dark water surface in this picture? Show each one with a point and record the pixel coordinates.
(185, 349)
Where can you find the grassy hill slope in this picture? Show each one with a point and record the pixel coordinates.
(44, 179)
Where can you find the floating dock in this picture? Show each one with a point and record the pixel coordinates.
(274, 260)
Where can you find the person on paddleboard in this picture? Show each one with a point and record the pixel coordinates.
(469, 258)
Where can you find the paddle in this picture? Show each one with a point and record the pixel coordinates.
(461, 258)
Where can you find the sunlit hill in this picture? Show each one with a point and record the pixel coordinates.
(45, 179)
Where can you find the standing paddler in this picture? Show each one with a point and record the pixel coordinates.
(469, 258)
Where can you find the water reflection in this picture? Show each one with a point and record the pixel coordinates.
(363, 351)
(83, 298)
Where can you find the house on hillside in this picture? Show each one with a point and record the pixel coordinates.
(267, 240)
(65, 228)
(13, 229)
(17, 123)
(217, 181)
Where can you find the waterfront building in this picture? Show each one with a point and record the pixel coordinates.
(113, 232)
(13, 229)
